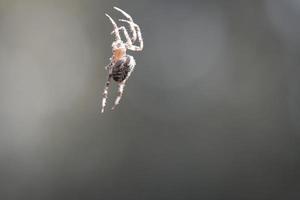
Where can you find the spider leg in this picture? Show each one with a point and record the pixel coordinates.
(133, 30)
(120, 94)
(108, 67)
(128, 40)
(116, 30)
(105, 92)
(139, 36)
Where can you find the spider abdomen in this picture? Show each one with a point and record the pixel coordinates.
(122, 68)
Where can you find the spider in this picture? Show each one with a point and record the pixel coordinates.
(121, 64)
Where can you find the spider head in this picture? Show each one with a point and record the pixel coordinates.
(118, 49)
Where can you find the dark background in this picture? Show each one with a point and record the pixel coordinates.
(211, 112)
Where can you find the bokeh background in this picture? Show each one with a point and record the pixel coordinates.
(211, 112)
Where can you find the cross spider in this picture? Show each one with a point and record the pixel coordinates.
(121, 64)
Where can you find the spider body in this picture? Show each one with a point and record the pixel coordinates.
(118, 50)
(118, 54)
(121, 65)
(122, 68)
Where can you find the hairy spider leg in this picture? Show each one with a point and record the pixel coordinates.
(139, 35)
(105, 92)
(134, 35)
(128, 40)
(120, 94)
(116, 30)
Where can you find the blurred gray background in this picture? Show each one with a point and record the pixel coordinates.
(211, 112)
